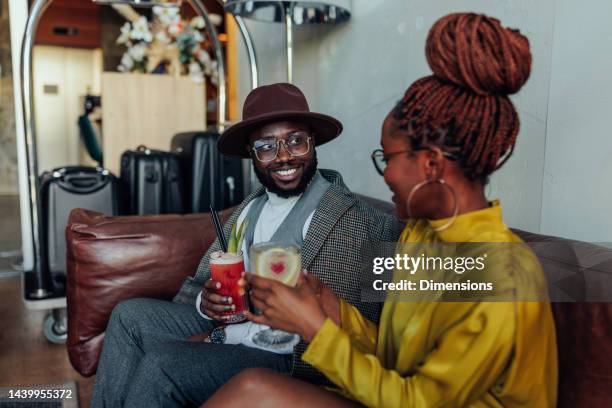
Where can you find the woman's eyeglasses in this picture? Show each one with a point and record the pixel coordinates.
(296, 144)
(380, 159)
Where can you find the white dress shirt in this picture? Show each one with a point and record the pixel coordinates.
(273, 213)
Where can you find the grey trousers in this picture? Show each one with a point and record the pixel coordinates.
(147, 362)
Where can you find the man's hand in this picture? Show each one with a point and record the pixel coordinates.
(198, 338)
(213, 304)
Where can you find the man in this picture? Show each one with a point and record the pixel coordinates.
(146, 358)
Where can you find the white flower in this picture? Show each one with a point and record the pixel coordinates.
(212, 72)
(216, 19)
(197, 37)
(176, 28)
(195, 72)
(141, 30)
(162, 37)
(194, 68)
(125, 33)
(198, 22)
(127, 63)
(167, 15)
(202, 56)
(138, 52)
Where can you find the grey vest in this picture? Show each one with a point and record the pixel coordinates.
(290, 230)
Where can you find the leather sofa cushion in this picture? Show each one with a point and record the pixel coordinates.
(579, 271)
(111, 259)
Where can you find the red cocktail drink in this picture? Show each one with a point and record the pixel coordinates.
(227, 268)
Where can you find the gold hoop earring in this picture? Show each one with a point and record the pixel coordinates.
(487, 191)
(443, 183)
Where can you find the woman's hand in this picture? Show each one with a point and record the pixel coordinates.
(296, 310)
(330, 303)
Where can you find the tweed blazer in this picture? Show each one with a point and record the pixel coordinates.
(332, 250)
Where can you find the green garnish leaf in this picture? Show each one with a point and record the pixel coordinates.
(233, 241)
(241, 232)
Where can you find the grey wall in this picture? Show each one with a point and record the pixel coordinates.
(358, 70)
(577, 193)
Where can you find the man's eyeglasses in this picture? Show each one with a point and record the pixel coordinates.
(380, 159)
(296, 144)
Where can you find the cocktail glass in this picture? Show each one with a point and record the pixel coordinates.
(227, 269)
(280, 262)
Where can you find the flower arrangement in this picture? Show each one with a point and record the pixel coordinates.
(167, 45)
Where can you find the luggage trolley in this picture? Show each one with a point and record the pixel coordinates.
(44, 287)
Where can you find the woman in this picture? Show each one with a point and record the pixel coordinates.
(440, 143)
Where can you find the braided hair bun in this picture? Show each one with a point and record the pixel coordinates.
(464, 107)
(476, 52)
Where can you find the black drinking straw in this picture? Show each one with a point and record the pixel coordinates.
(218, 228)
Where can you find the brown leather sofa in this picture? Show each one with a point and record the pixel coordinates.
(115, 258)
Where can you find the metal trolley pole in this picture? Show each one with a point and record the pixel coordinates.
(38, 293)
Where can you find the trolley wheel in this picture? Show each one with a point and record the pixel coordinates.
(54, 331)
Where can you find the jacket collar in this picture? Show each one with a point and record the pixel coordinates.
(335, 202)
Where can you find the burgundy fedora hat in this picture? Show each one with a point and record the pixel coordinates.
(275, 103)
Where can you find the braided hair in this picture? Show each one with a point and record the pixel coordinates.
(464, 106)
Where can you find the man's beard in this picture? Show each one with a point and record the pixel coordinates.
(268, 182)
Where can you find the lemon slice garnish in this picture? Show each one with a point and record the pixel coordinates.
(279, 264)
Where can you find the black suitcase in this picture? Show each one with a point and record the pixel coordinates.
(210, 177)
(64, 189)
(152, 182)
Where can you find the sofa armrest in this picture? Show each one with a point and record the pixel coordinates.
(111, 259)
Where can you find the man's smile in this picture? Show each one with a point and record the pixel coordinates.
(287, 174)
